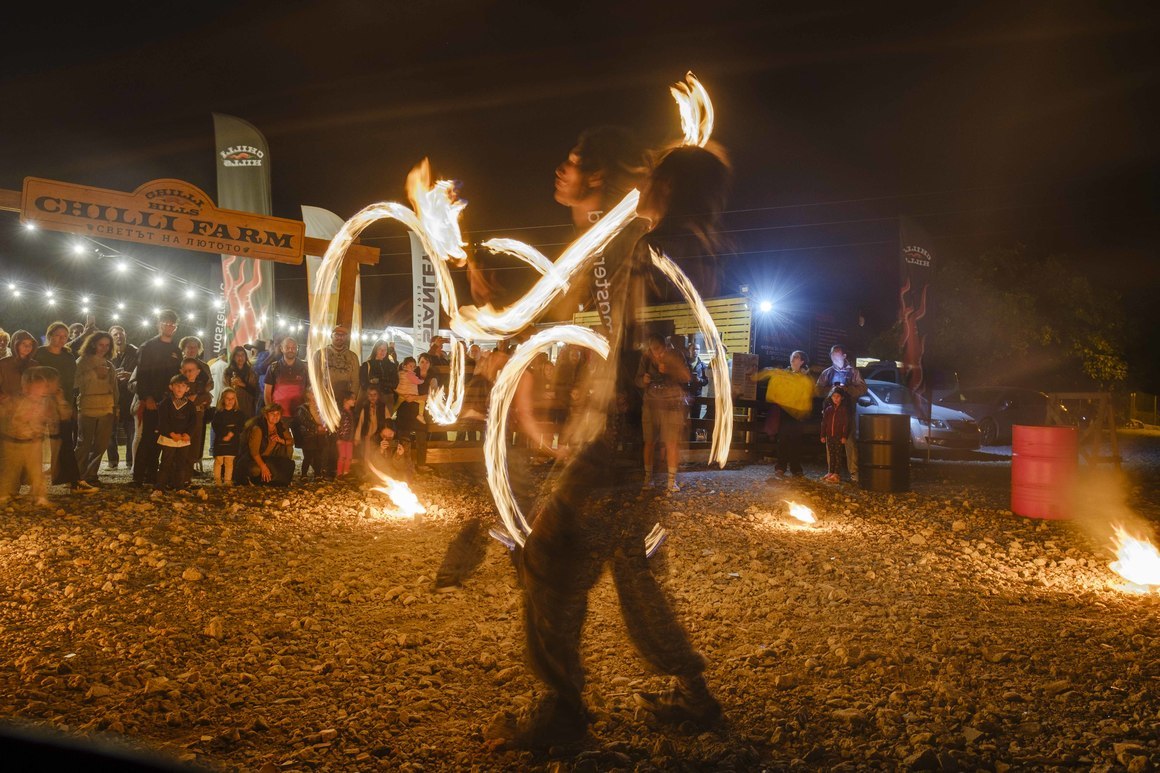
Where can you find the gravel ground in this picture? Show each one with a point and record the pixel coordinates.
(299, 630)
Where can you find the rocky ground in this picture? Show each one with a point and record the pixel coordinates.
(266, 630)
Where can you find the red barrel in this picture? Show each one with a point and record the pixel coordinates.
(1044, 462)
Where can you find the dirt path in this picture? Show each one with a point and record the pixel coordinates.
(299, 630)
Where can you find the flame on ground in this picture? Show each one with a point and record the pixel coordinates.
(801, 512)
(1137, 560)
(400, 494)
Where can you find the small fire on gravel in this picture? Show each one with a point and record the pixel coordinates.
(1137, 561)
(801, 512)
(407, 505)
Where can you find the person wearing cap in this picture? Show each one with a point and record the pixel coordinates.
(266, 455)
(158, 361)
(339, 361)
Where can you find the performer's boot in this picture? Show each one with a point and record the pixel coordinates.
(689, 701)
(551, 722)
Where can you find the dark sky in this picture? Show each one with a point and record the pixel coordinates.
(991, 123)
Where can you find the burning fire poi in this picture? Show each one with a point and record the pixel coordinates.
(435, 220)
(1137, 560)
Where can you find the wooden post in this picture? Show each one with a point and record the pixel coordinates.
(347, 277)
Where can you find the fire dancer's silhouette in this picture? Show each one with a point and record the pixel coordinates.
(592, 515)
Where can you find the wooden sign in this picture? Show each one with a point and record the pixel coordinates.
(165, 213)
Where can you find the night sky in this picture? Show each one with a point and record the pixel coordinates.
(993, 124)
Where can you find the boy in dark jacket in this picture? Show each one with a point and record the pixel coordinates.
(319, 451)
(176, 420)
(835, 430)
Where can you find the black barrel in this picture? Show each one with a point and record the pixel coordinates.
(884, 452)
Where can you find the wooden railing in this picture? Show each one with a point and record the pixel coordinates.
(749, 444)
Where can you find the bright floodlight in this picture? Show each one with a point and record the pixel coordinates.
(79, 249)
(51, 301)
(84, 299)
(49, 294)
(217, 303)
(121, 266)
(144, 323)
(190, 294)
(766, 307)
(116, 316)
(156, 311)
(200, 333)
(11, 285)
(84, 309)
(191, 316)
(30, 226)
(121, 306)
(15, 293)
(158, 280)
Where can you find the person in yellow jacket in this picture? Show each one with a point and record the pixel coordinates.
(790, 393)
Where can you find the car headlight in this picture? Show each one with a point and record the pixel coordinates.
(936, 423)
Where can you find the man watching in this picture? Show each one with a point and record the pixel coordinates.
(842, 373)
(158, 361)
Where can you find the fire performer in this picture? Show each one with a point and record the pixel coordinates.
(592, 516)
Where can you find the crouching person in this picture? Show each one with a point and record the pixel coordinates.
(24, 421)
(393, 456)
(266, 456)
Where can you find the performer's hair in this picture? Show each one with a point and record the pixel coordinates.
(689, 186)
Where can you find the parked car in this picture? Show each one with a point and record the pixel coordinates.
(947, 429)
(940, 382)
(997, 409)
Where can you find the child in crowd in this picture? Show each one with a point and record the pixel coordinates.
(228, 420)
(176, 417)
(345, 434)
(411, 403)
(24, 420)
(200, 397)
(316, 441)
(835, 430)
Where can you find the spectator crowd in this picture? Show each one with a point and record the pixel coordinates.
(81, 396)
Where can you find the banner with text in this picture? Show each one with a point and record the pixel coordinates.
(324, 224)
(425, 296)
(916, 258)
(243, 181)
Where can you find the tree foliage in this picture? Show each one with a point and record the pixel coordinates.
(1011, 317)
